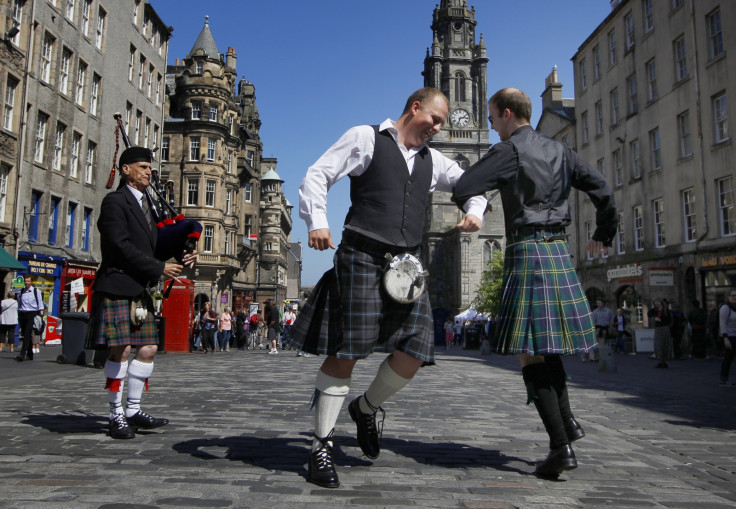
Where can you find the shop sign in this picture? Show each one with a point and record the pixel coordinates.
(718, 261)
(631, 270)
(77, 286)
(77, 272)
(41, 268)
(19, 282)
(661, 277)
(224, 298)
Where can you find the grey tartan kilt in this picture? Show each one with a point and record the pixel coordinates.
(349, 315)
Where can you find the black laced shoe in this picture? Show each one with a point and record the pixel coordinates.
(369, 434)
(321, 468)
(119, 428)
(142, 420)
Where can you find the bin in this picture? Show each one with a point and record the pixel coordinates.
(73, 334)
(472, 338)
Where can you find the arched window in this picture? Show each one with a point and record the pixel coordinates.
(490, 247)
(462, 161)
(459, 86)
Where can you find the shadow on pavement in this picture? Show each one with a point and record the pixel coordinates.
(68, 423)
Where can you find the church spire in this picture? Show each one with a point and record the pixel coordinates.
(205, 42)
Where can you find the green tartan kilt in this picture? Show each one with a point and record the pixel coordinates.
(544, 309)
(109, 325)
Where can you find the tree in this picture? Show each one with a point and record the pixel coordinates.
(490, 291)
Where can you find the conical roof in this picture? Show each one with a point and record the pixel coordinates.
(271, 175)
(205, 42)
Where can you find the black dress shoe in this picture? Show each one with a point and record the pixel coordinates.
(321, 468)
(19, 358)
(557, 461)
(119, 428)
(145, 421)
(369, 436)
(573, 430)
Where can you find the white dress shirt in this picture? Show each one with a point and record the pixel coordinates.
(352, 155)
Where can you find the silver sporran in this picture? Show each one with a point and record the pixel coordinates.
(404, 279)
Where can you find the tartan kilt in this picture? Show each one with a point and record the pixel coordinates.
(109, 325)
(544, 309)
(349, 314)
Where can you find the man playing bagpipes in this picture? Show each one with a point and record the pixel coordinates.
(122, 308)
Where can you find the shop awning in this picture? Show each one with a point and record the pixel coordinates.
(7, 262)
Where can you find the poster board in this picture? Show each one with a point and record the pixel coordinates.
(644, 340)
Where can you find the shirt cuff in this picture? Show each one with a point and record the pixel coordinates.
(476, 206)
(317, 221)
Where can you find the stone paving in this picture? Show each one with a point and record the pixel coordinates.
(458, 436)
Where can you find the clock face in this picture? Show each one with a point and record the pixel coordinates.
(460, 118)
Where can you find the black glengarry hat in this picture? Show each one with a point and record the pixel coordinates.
(135, 155)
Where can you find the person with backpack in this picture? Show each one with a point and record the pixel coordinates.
(727, 333)
(30, 305)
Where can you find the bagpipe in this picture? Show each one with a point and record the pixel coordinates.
(177, 235)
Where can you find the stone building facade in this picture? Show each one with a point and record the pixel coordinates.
(81, 62)
(654, 87)
(457, 65)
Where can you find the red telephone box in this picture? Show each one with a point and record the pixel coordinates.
(177, 310)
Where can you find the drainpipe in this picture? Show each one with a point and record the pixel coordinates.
(698, 116)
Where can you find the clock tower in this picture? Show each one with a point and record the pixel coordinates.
(457, 66)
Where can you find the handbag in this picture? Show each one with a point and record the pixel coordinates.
(39, 324)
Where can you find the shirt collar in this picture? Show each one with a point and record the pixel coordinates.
(388, 125)
(138, 195)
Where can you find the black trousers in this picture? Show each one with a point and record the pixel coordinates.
(25, 329)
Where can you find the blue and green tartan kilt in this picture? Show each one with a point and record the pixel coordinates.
(544, 309)
(350, 315)
(109, 325)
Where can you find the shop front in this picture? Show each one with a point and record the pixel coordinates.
(45, 272)
(717, 277)
(77, 277)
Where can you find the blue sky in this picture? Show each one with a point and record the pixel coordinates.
(323, 66)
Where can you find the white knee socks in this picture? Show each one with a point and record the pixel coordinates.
(115, 373)
(331, 394)
(138, 374)
(386, 384)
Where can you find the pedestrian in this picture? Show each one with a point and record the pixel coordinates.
(697, 320)
(241, 328)
(661, 318)
(122, 308)
(30, 305)
(544, 312)
(8, 321)
(602, 320)
(449, 333)
(287, 321)
(727, 331)
(208, 324)
(677, 328)
(254, 330)
(196, 332)
(392, 172)
(225, 329)
(273, 326)
(619, 323)
(458, 333)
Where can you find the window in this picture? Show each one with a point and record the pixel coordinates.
(91, 156)
(715, 36)
(248, 193)
(459, 87)
(658, 209)
(146, 23)
(596, 62)
(86, 13)
(720, 118)
(213, 113)
(158, 88)
(620, 238)
(688, 209)
(599, 118)
(136, 6)
(726, 206)
(141, 72)
(53, 219)
(617, 171)
(651, 80)
(648, 15)
(211, 149)
(683, 132)
(146, 132)
(41, 123)
(192, 192)
(194, 149)
(35, 213)
(149, 81)
(196, 111)
(209, 234)
(227, 243)
(95, 96)
(584, 126)
(66, 62)
(165, 149)
(676, 4)
(74, 163)
(47, 56)
(249, 156)
(229, 162)
(58, 146)
(131, 63)
(268, 246)
(209, 195)
(635, 159)
(631, 90)
(601, 165)
(70, 10)
(101, 15)
(71, 213)
(156, 138)
(614, 106)
(9, 112)
(680, 59)
(17, 20)
(629, 29)
(86, 228)
(200, 67)
(655, 150)
(588, 236)
(81, 80)
(248, 226)
(583, 74)
(638, 229)
(611, 48)
(4, 173)
(228, 201)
